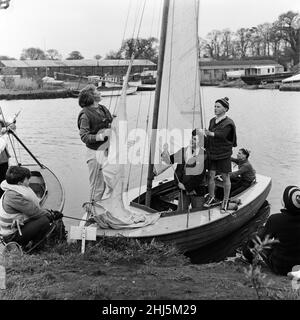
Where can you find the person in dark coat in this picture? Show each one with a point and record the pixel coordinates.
(94, 121)
(221, 138)
(190, 172)
(284, 227)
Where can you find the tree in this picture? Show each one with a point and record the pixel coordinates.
(289, 34)
(243, 36)
(141, 48)
(53, 54)
(214, 43)
(33, 54)
(226, 43)
(6, 58)
(113, 55)
(98, 56)
(75, 55)
(203, 48)
(8, 78)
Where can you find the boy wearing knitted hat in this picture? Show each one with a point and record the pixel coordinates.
(285, 227)
(221, 138)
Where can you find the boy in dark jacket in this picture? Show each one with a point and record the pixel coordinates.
(285, 227)
(221, 138)
(190, 172)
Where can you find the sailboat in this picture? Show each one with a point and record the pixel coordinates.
(150, 211)
(43, 181)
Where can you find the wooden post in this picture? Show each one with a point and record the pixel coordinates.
(83, 233)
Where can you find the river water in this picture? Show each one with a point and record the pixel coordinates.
(267, 123)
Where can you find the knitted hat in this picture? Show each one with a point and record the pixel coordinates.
(224, 102)
(291, 199)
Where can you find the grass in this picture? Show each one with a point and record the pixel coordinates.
(127, 269)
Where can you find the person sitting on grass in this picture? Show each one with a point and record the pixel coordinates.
(22, 220)
(284, 227)
(242, 178)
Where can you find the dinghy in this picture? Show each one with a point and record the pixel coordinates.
(43, 181)
(155, 202)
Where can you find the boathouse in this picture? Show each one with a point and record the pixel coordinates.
(83, 67)
(217, 70)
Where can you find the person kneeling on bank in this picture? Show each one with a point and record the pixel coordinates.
(21, 218)
(242, 178)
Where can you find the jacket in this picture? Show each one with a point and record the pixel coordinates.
(90, 121)
(220, 146)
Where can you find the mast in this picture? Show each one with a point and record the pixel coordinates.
(161, 56)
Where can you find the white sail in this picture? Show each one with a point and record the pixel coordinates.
(180, 104)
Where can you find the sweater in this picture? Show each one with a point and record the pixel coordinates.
(17, 207)
(220, 146)
(284, 227)
(90, 121)
(245, 171)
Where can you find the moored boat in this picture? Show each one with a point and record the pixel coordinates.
(108, 92)
(177, 93)
(43, 181)
(268, 78)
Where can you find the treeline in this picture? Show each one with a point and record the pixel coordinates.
(51, 54)
(279, 40)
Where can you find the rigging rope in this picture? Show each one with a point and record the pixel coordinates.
(136, 125)
(123, 37)
(135, 42)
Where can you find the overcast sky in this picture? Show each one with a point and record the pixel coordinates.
(97, 26)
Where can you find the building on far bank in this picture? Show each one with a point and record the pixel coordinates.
(83, 67)
(217, 70)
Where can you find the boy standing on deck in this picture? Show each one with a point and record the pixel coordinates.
(221, 138)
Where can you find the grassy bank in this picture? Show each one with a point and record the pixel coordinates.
(126, 269)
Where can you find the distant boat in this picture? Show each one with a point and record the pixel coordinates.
(142, 86)
(291, 84)
(108, 92)
(267, 78)
(145, 81)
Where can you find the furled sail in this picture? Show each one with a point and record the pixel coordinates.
(110, 212)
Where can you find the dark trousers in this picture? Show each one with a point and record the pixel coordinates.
(185, 200)
(238, 185)
(3, 169)
(33, 230)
